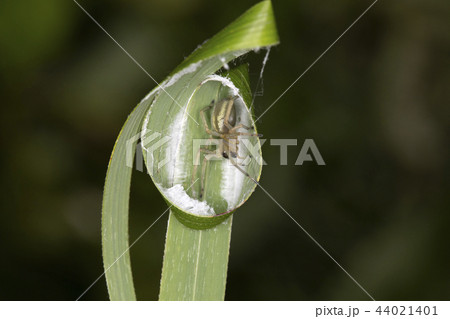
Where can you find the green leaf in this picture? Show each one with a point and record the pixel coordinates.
(195, 262)
(196, 255)
(116, 257)
(205, 278)
(216, 187)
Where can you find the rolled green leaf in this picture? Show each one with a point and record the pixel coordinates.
(174, 125)
(204, 183)
(174, 110)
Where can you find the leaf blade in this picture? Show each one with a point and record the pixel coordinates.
(196, 260)
(115, 247)
(194, 264)
(254, 29)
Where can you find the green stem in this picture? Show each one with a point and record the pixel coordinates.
(195, 262)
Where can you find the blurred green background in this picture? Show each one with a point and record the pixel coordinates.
(377, 106)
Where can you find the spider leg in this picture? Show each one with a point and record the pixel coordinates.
(241, 126)
(194, 171)
(208, 155)
(202, 179)
(236, 134)
(234, 147)
(243, 172)
(231, 143)
(226, 140)
(205, 123)
(233, 131)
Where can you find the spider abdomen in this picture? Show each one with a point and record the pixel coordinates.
(220, 118)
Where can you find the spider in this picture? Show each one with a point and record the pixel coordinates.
(223, 126)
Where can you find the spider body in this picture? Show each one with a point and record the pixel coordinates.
(223, 117)
(224, 126)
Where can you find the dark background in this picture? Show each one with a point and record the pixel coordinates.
(376, 105)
